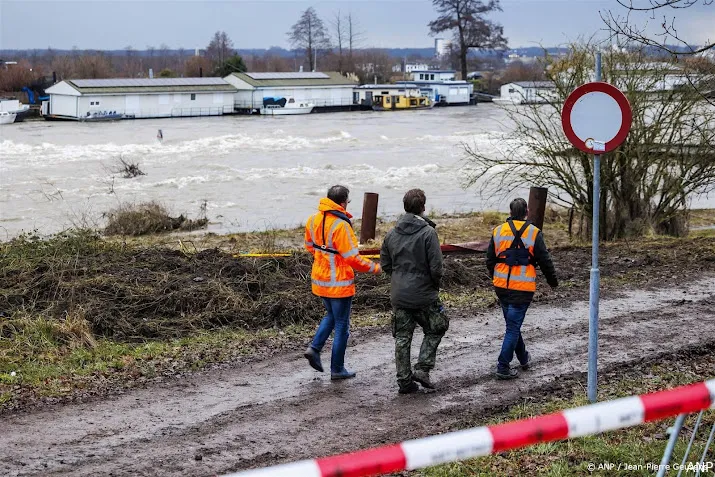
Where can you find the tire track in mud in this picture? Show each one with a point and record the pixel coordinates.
(279, 409)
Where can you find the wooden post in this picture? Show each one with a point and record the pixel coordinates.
(369, 217)
(537, 205)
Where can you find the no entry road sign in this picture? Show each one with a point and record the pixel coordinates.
(596, 117)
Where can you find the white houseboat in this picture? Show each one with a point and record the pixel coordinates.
(446, 90)
(91, 99)
(526, 92)
(329, 90)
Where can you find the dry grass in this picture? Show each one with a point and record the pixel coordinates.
(147, 218)
(452, 228)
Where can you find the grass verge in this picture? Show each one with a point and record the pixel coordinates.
(81, 314)
(641, 447)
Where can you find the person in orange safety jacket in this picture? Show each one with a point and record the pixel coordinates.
(330, 238)
(516, 248)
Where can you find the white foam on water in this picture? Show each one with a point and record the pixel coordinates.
(45, 154)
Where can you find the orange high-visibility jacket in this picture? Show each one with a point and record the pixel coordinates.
(332, 242)
(522, 277)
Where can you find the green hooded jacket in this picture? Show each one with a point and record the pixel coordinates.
(412, 257)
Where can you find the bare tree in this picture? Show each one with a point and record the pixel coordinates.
(163, 56)
(636, 15)
(220, 48)
(465, 18)
(197, 65)
(309, 34)
(179, 60)
(131, 67)
(338, 37)
(646, 184)
(355, 36)
(632, 25)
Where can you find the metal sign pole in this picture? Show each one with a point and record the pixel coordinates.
(595, 273)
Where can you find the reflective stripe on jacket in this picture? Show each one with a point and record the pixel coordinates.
(336, 257)
(522, 278)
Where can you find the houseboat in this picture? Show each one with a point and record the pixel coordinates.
(445, 89)
(400, 102)
(526, 92)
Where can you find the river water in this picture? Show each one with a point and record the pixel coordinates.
(254, 173)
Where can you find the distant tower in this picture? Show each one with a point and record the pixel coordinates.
(197, 52)
(441, 46)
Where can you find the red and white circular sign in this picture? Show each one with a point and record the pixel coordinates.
(596, 117)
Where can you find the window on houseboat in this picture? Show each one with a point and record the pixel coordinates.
(193, 97)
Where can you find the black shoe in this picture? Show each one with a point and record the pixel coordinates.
(526, 365)
(313, 358)
(422, 377)
(508, 374)
(409, 389)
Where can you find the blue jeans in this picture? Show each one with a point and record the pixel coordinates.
(338, 318)
(513, 342)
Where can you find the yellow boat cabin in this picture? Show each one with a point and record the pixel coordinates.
(400, 101)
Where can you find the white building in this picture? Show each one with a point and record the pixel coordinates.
(363, 94)
(433, 75)
(410, 67)
(139, 98)
(515, 57)
(445, 89)
(527, 92)
(330, 89)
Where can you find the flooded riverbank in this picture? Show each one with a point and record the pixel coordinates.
(253, 173)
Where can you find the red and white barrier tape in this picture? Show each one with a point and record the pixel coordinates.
(481, 441)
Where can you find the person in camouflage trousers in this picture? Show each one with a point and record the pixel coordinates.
(411, 255)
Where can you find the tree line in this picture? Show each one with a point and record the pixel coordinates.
(334, 45)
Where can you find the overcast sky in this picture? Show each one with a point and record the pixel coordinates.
(114, 24)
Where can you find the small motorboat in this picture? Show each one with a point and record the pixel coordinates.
(14, 106)
(7, 118)
(282, 107)
(102, 116)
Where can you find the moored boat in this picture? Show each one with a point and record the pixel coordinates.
(400, 102)
(7, 118)
(102, 116)
(282, 107)
(14, 106)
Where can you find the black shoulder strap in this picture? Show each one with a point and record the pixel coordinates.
(517, 242)
(339, 215)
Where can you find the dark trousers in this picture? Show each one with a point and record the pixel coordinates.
(513, 342)
(434, 323)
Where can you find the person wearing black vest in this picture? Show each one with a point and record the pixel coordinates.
(515, 250)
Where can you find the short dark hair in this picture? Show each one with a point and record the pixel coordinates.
(338, 194)
(414, 201)
(518, 208)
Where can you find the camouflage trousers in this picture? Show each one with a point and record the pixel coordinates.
(434, 323)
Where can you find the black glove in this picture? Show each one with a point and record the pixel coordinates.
(553, 283)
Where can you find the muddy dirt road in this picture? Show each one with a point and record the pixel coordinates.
(279, 409)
